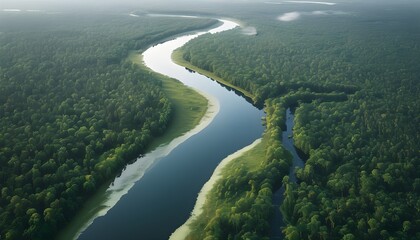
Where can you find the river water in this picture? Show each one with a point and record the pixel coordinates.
(297, 162)
(156, 194)
(288, 143)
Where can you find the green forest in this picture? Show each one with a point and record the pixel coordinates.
(353, 77)
(73, 110)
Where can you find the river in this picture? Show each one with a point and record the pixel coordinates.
(156, 194)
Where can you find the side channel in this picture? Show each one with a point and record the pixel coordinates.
(288, 143)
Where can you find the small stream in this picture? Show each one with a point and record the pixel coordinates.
(288, 143)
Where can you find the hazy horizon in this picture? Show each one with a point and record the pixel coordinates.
(287, 10)
(30, 4)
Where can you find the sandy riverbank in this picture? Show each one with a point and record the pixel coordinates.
(135, 171)
(182, 232)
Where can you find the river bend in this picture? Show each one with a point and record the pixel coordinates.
(156, 194)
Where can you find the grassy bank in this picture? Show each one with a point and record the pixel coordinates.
(197, 217)
(218, 201)
(178, 59)
(242, 194)
(188, 105)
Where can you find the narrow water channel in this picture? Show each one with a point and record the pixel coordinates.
(156, 194)
(288, 143)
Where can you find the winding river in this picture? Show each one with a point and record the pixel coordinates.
(156, 194)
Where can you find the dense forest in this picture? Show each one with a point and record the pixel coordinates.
(353, 75)
(73, 111)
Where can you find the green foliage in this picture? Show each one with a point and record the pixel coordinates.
(73, 112)
(354, 79)
(239, 204)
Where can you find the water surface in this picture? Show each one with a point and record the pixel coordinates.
(160, 199)
(288, 143)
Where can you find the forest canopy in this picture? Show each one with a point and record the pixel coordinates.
(73, 111)
(352, 73)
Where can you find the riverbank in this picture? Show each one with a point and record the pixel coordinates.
(221, 172)
(189, 106)
(178, 59)
(248, 159)
(192, 113)
(203, 154)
